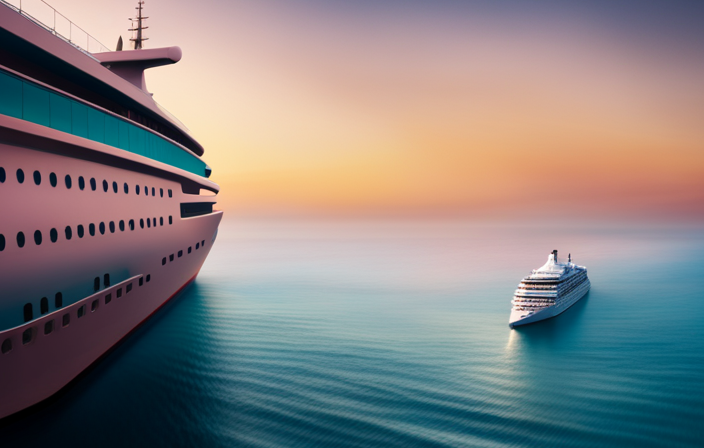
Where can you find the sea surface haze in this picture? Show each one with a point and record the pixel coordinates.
(395, 333)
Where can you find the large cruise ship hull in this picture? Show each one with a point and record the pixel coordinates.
(141, 253)
(518, 318)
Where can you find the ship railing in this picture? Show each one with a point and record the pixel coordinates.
(45, 16)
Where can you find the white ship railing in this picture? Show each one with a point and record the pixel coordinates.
(44, 15)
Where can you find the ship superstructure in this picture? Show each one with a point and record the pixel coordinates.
(107, 210)
(548, 291)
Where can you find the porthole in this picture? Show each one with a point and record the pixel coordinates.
(58, 300)
(44, 305)
(3, 176)
(37, 177)
(69, 232)
(6, 346)
(81, 183)
(66, 320)
(141, 281)
(106, 280)
(114, 187)
(96, 283)
(154, 222)
(136, 189)
(161, 221)
(94, 306)
(20, 176)
(80, 231)
(67, 179)
(171, 257)
(170, 193)
(112, 227)
(2, 242)
(149, 223)
(153, 191)
(27, 336)
(146, 191)
(48, 327)
(119, 293)
(161, 192)
(122, 226)
(128, 288)
(131, 224)
(28, 312)
(91, 229)
(189, 249)
(163, 261)
(20, 239)
(53, 180)
(149, 278)
(81, 311)
(180, 254)
(126, 188)
(37, 237)
(101, 227)
(141, 223)
(171, 220)
(105, 185)
(54, 235)
(108, 298)
(93, 185)
(197, 246)
(202, 243)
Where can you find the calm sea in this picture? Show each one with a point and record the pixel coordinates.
(383, 334)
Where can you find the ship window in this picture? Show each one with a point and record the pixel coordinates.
(69, 232)
(141, 223)
(126, 188)
(66, 320)
(119, 293)
(131, 223)
(93, 186)
(96, 283)
(149, 223)
(52, 179)
(44, 305)
(80, 231)
(163, 261)
(27, 336)
(171, 257)
(81, 311)
(101, 227)
(161, 192)
(6, 346)
(106, 280)
(170, 193)
(146, 191)
(28, 313)
(153, 191)
(128, 288)
(49, 327)
(108, 298)
(91, 229)
(197, 246)
(122, 226)
(202, 243)
(114, 187)
(94, 306)
(37, 237)
(189, 249)
(3, 176)
(54, 235)
(171, 220)
(161, 221)
(2, 242)
(81, 183)
(154, 221)
(105, 185)
(149, 278)
(58, 300)
(20, 239)
(20, 176)
(180, 254)
(67, 179)
(37, 178)
(136, 189)
(141, 281)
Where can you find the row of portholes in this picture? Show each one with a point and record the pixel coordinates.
(180, 253)
(80, 231)
(28, 334)
(53, 180)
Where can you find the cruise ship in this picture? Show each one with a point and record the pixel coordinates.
(548, 291)
(106, 209)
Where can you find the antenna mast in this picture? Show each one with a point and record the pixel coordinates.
(138, 39)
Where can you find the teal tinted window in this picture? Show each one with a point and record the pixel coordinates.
(79, 119)
(124, 135)
(35, 103)
(112, 132)
(96, 125)
(60, 112)
(11, 94)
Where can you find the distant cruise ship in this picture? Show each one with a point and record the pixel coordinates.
(106, 210)
(548, 291)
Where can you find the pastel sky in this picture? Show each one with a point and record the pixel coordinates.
(435, 108)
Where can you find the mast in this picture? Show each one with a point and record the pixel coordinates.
(138, 39)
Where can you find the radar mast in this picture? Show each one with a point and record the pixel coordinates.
(137, 26)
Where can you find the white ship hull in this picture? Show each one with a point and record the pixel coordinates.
(518, 317)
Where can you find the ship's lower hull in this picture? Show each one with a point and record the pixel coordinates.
(518, 318)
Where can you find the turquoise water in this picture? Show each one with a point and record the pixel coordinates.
(363, 334)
